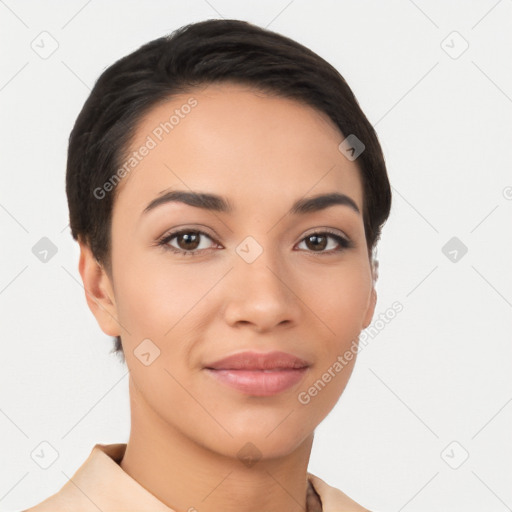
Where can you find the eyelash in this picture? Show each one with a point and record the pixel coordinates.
(164, 242)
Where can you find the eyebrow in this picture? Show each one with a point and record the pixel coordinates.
(220, 204)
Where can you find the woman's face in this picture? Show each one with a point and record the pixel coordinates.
(257, 279)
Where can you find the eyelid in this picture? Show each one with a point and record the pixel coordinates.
(331, 231)
(204, 230)
(199, 228)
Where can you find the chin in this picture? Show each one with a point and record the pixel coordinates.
(258, 440)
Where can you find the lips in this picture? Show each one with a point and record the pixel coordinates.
(259, 374)
(259, 361)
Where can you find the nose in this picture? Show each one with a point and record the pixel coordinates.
(261, 294)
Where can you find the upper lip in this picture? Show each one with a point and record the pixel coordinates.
(259, 361)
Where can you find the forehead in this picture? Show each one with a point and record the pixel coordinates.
(236, 141)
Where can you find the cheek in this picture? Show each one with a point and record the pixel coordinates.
(159, 303)
(338, 302)
(152, 299)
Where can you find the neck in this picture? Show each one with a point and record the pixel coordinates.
(187, 476)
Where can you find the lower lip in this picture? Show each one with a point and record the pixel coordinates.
(257, 382)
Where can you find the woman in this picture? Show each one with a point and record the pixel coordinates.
(228, 194)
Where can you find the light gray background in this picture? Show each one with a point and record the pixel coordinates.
(439, 372)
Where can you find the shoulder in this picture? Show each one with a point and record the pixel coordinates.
(333, 499)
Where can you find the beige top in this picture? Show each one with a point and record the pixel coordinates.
(101, 484)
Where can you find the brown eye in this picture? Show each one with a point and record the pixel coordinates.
(319, 242)
(187, 242)
(316, 241)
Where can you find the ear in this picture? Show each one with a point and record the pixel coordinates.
(371, 308)
(98, 291)
(373, 294)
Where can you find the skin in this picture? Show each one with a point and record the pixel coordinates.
(262, 153)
